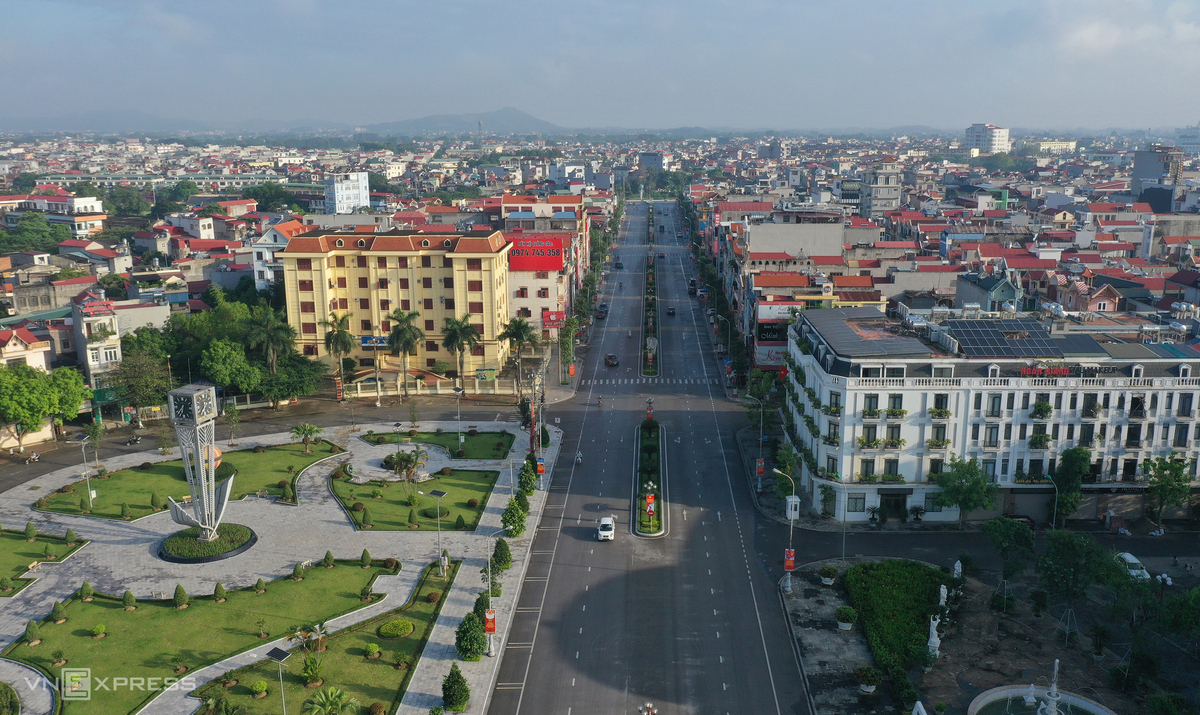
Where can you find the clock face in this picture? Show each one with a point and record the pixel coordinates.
(183, 407)
(204, 404)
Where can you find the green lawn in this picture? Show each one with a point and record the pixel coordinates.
(141, 643)
(16, 555)
(256, 472)
(391, 512)
(481, 446)
(345, 665)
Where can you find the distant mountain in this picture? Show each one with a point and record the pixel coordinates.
(502, 121)
(117, 122)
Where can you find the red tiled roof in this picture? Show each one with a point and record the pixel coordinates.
(780, 279)
(20, 333)
(750, 206)
(771, 256)
(939, 268)
(80, 281)
(897, 244)
(853, 281)
(828, 261)
(1022, 263)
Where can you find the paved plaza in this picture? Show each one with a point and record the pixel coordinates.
(121, 555)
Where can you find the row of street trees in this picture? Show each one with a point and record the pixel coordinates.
(28, 397)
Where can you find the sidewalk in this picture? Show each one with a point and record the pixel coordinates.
(118, 558)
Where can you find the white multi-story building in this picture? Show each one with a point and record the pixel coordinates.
(880, 405)
(988, 139)
(346, 192)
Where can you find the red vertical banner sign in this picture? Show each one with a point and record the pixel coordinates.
(571, 370)
(650, 504)
(489, 621)
(541, 465)
(337, 386)
(758, 466)
(789, 559)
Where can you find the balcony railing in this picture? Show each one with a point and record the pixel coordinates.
(937, 443)
(1184, 412)
(939, 413)
(1138, 413)
(832, 440)
(1133, 444)
(832, 410)
(870, 413)
(864, 443)
(992, 413)
(894, 443)
(991, 444)
(896, 413)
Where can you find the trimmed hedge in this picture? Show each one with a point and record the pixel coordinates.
(894, 600)
(398, 628)
(184, 543)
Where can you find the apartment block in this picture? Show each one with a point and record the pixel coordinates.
(880, 405)
(346, 192)
(987, 139)
(371, 274)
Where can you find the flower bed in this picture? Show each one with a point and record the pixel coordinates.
(650, 477)
(184, 544)
(650, 360)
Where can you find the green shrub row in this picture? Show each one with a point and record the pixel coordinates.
(184, 544)
(894, 600)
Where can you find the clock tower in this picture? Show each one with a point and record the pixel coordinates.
(194, 413)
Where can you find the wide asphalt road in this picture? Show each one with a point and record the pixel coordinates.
(690, 621)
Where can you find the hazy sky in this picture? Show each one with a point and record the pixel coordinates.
(786, 64)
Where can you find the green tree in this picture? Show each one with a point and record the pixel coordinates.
(404, 337)
(269, 332)
(114, 287)
(1013, 542)
(513, 518)
(456, 693)
(306, 432)
(33, 634)
(365, 559)
(964, 485)
(150, 341)
(470, 640)
(459, 336)
(1168, 484)
(1071, 563)
(127, 201)
(183, 190)
(162, 208)
(142, 379)
(519, 332)
(501, 555)
(270, 196)
(25, 182)
(87, 189)
(339, 341)
(482, 603)
(27, 398)
(225, 363)
(30, 531)
(71, 391)
(297, 376)
(33, 233)
(181, 596)
(330, 701)
(1073, 466)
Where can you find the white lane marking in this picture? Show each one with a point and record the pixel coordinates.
(585, 606)
(576, 655)
(718, 635)
(581, 630)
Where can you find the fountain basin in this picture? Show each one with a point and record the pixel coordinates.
(1010, 699)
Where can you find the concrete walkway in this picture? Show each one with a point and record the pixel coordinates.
(121, 555)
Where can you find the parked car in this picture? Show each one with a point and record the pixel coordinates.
(611, 360)
(1137, 572)
(601, 314)
(671, 310)
(618, 265)
(607, 529)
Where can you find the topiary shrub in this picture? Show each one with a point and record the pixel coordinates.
(412, 433)
(460, 522)
(390, 563)
(397, 628)
(446, 470)
(67, 488)
(145, 465)
(432, 512)
(282, 483)
(358, 506)
(433, 596)
(224, 471)
(334, 449)
(472, 432)
(472, 503)
(378, 709)
(259, 449)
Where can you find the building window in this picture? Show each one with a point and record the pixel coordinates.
(385, 305)
(1185, 370)
(429, 325)
(522, 292)
(343, 304)
(381, 262)
(431, 346)
(402, 262)
(364, 303)
(110, 354)
(941, 401)
(991, 435)
(542, 275)
(449, 282)
(975, 432)
(307, 306)
(870, 402)
(891, 467)
(308, 328)
(340, 261)
(430, 362)
(475, 307)
(936, 466)
(477, 351)
(310, 350)
(867, 468)
(1137, 370)
(894, 372)
(427, 282)
(931, 504)
(870, 372)
(474, 264)
(895, 401)
(993, 409)
(304, 264)
(943, 372)
(448, 304)
(365, 325)
(341, 282)
(893, 433)
(856, 501)
(427, 303)
(447, 261)
(475, 286)
(383, 283)
(478, 328)
(385, 325)
(993, 371)
(426, 261)
(361, 261)
(978, 400)
(869, 433)
(543, 293)
(831, 465)
(305, 286)
(405, 304)
(403, 284)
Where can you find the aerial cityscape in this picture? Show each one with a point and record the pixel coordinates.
(704, 359)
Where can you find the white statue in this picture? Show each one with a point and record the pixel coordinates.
(934, 643)
(957, 569)
(919, 709)
(942, 601)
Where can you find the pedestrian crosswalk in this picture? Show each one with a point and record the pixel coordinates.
(652, 381)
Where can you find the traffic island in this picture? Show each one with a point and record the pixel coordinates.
(650, 355)
(185, 547)
(650, 479)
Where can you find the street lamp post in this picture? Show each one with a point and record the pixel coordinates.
(87, 475)
(396, 458)
(375, 348)
(438, 494)
(787, 581)
(279, 655)
(1054, 522)
(488, 556)
(760, 435)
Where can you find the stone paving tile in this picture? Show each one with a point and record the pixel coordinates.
(121, 554)
(32, 689)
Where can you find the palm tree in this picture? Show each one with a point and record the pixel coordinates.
(407, 464)
(306, 433)
(330, 701)
(299, 637)
(460, 336)
(404, 337)
(269, 331)
(519, 331)
(317, 633)
(338, 340)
